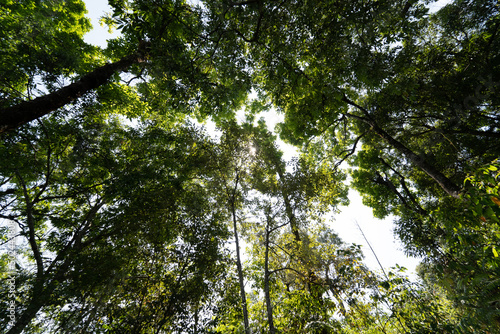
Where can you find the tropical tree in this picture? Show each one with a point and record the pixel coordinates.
(275, 215)
(164, 49)
(467, 266)
(397, 305)
(232, 166)
(406, 97)
(118, 232)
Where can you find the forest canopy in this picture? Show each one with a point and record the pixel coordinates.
(127, 217)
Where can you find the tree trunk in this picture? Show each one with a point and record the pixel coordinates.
(446, 184)
(288, 206)
(45, 283)
(24, 112)
(240, 275)
(238, 261)
(42, 291)
(451, 188)
(267, 294)
(27, 316)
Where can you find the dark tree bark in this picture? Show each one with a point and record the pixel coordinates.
(269, 306)
(445, 183)
(46, 281)
(27, 316)
(24, 112)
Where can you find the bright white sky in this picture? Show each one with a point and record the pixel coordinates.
(379, 232)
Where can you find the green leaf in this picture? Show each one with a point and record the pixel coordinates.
(494, 251)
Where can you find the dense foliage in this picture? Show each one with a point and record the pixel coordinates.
(129, 218)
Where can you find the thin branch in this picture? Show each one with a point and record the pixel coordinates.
(277, 227)
(405, 187)
(335, 122)
(388, 183)
(76, 242)
(10, 239)
(138, 76)
(352, 151)
(373, 252)
(31, 228)
(243, 3)
(287, 268)
(9, 217)
(282, 249)
(381, 267)
(8, 191)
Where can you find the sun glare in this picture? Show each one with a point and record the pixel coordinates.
(252, 150)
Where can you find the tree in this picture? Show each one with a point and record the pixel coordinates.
(104, 208)
(408, 98)
(275, 217)
(398, 305)
(311, 76)
(164, 45)
(467, 264)
(232, 167)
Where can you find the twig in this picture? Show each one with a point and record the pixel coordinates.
(369, 245)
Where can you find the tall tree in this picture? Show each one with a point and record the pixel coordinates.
(103, 208)
(165, 46)
(278, 200)
(232, 167)
(408, 98)
(334, 75)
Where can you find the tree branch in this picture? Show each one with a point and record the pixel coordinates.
(31, 229)
(24, 112)
(351, 151)
(243, 3)
(405, 187)
(446, 184)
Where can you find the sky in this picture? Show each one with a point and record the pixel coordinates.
(378, 232)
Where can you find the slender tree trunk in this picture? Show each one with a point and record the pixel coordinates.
(267, 294)
(238, 260)
(312, 279)
(288, 206)
(24, 112)
(240, 274)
